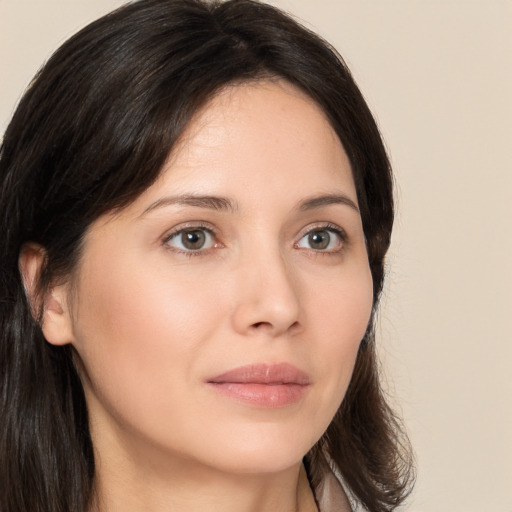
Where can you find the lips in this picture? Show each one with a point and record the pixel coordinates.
(262, 385)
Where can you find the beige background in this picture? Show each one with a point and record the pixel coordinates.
(438, 75)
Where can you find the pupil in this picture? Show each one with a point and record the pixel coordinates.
(319, 239)
(193, 239)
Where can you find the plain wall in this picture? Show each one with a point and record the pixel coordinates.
(438, 76)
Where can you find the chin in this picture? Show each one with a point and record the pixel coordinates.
(261, 463)
(264, 451)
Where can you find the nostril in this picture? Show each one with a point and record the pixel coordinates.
(270, 326)
(259, 324)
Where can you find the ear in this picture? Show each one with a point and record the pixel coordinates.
(56, 320)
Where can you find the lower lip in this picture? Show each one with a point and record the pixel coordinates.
(269, 396)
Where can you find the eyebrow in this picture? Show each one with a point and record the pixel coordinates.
(225, 204)
(209, 202)
(326, 200)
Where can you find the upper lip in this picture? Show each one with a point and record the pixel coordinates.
(281, 373)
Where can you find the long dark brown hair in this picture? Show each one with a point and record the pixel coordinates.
(91, 133)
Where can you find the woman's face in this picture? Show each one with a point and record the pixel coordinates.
(218, 317)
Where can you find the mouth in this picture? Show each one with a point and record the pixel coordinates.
(262, 385)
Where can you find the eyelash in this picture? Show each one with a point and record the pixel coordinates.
(329, 227)
(187, 228)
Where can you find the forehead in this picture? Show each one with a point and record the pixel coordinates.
(263, 138)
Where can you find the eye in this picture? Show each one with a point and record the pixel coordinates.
(322, 239)
(191, 240)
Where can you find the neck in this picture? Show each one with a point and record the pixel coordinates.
(132, 475)
(121, 488)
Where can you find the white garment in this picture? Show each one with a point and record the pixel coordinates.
(333, 496)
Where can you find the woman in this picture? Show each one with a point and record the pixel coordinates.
(196, 205)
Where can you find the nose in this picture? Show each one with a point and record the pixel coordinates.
(267, 299)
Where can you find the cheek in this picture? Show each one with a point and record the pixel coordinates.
(138, 333)
(129, 304)
(343, 305)
(341, 313)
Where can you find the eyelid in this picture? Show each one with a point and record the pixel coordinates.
(191, 226)
(323, 226)
(201, 225)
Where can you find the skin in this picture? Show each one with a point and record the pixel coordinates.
(152, 321)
